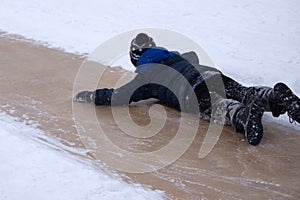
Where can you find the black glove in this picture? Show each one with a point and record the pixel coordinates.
(84, 97)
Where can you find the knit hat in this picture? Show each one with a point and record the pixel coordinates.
(139, 44)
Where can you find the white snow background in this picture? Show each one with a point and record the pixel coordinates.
(33, 170)
(255, 42)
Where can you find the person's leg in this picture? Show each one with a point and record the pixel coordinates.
(278, 100)
(246, 95)
(235, 90)
(245, 118)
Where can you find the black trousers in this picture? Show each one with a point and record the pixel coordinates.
(228, 96)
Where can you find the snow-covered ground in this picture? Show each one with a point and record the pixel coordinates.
(32, 170)
(254, 41)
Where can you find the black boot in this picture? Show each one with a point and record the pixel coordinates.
(248, 121)
(268, 98)
(289, 100)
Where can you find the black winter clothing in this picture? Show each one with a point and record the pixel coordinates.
(142, 86)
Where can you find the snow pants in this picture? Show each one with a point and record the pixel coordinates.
(227, 96)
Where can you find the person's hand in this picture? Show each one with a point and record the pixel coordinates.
(84, 97)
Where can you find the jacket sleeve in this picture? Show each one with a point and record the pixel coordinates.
(131, 92)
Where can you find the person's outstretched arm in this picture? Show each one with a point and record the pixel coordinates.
(130, 92)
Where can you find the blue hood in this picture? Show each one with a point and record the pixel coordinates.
(154, 55)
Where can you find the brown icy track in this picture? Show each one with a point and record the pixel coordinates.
(38, 82)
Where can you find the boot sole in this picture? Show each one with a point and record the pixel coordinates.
(254, 127)
(290, 100)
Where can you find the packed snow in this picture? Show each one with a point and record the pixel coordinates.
(33, 170)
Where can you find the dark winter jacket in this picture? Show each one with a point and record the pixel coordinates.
(163, 75)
